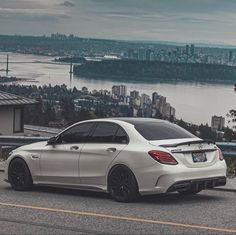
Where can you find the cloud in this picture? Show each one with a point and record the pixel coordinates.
(31, 14)
(25, 10)
(67, 4)
(27, 4)
(181, 20)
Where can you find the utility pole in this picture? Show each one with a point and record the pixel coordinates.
(71, 68)
(71, 74)
(7, 69)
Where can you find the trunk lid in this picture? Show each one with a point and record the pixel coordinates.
(191, 152)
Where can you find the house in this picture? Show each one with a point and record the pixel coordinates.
(12, 113)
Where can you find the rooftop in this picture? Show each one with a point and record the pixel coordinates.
(7, 99)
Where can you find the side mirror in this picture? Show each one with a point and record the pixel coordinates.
(52, 140)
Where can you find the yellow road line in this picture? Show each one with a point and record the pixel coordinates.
(124, 218)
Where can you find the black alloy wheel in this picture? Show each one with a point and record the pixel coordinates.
(19, 175)
(122, 184)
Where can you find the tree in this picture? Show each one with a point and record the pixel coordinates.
(232, 116)
(68, 109)
(229, 134)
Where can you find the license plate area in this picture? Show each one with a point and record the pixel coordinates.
(199, 157)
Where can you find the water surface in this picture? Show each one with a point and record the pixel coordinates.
(194, 102)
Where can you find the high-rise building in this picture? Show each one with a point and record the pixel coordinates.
(130, 54)
(134, 94)
(178, 51)
(119, 90)
(187, 50)
(166, 110)
(152, 56)
(217, 123)
(172, 112)
(149, 55)
(145, 100)
(155, 96)
(142, 54)
(135, 55)
(230, 56)
(160, 103)
(192, 49)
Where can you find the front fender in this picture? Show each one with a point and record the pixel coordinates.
(32, 163)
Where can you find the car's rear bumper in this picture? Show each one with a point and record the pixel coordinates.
(171, 178)
(197, 184)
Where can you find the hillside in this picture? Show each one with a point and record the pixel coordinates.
(151, 71)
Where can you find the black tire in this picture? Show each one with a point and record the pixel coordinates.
(122, 184)
(19, 175)
(190, 192)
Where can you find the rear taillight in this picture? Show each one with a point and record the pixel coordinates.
(162, 157)
(221, 156)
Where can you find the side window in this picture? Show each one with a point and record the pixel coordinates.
(121, 137)
(104, 133)
(76, 134)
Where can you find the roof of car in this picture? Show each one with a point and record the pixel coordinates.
(133, 120)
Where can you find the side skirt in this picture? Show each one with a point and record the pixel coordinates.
(79, 187)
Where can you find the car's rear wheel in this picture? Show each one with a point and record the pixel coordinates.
(122, 184)
(19, 175)
(190, 192)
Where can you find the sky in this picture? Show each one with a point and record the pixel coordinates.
(156, 20)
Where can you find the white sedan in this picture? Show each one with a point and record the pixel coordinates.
(123, 156)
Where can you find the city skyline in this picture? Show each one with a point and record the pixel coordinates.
(177, 20)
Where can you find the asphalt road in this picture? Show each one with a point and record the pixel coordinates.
(57, 211)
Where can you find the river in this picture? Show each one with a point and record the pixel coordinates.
(194, 102)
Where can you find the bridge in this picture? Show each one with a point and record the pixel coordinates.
(7, 70)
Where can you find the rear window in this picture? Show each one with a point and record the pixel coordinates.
(162, 131)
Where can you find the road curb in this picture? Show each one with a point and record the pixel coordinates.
(224, 189)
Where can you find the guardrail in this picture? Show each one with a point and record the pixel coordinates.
(17, 141)
(228, 148)
(48, 131)
(8, 143)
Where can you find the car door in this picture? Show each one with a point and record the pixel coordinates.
(104, 144)
(60, 162)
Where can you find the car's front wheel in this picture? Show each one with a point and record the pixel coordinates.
(122, 184)
(19, 175)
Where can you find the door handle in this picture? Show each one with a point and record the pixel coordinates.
(111, 150)
(74, 148)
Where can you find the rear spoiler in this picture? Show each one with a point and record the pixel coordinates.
(189, 143)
